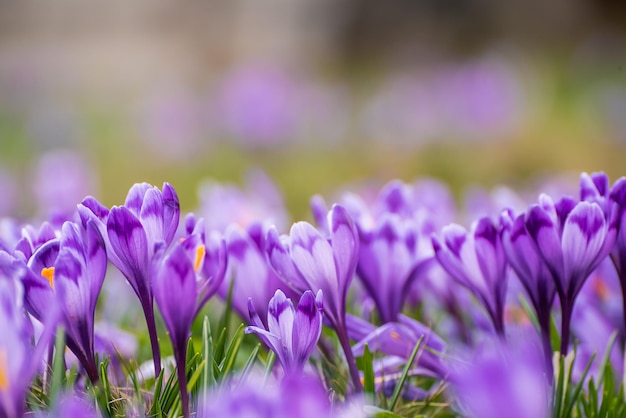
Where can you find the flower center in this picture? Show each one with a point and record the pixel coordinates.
(48, 273)
(200, 252)
(4, 370)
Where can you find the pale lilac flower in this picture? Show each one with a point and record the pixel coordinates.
(291, 333)
(476, 260)
(573, 238)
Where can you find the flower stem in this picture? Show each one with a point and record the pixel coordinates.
(181, 356)
(148, 311)
(344, 340)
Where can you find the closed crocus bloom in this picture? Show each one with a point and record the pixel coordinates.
(307, 261)
(70, 270)
(595, 188)
(132, 232)
(175, 292)
(391, 257)
(532, 272)
(573, 238)
(476, 260)
(291, 333)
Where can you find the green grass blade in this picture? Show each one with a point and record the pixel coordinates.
(368, 372)
(405, 373)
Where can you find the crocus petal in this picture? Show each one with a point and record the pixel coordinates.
(583, 236)
(129, 242)
(308, 324)
(345, 246)
(175, 291)
(281, 262)
(280, 320)
(134, 198)
(544, 233)
(151, 217)
(171, 212)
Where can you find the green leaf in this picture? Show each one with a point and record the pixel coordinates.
(231, 353)
(405, 373)
(368, 372)
(58, 367)
(208, 374)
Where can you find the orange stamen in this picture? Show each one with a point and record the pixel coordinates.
(4, 370)
(200, 252)
(48, 273)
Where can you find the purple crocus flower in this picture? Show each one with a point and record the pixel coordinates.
(209, 258)
(398, 339)
(500, 380)
(573, 238)
(19, 358)
(476, 260)
(299, 395)
(148, 219)
(71, 270)
(307, 261)
(175, 290)
(291, 333)
(389, 261)
(248, 267)
(595, 188)
(532, 272)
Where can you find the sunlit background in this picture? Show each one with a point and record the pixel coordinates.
(319, 94)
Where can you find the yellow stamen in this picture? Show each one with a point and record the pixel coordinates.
(4, 370)
(48, 273)
(200, 252)
(395, 335)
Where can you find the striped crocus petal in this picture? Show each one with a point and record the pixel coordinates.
(476, 260)
(291, 333)
(128, 241)
(526, 262)
(594, 186)
(389, 262)
(585, 238)
(618, 254)
(544, 231)
(326, 265)
(277, 249)
(175, 291)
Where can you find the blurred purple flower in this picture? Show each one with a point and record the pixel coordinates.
(291, 333)
(476, 260)
(70, 270)
(249, 271)
(61, 180)
(389, 261)
(132, 233)
(297, 395)
(573, 238)
(259, 106)
(398, 339)
(502, 381)
(259, 201)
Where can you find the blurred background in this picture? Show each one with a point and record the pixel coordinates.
(320, 94)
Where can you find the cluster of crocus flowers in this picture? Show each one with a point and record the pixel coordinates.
(373, 256)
